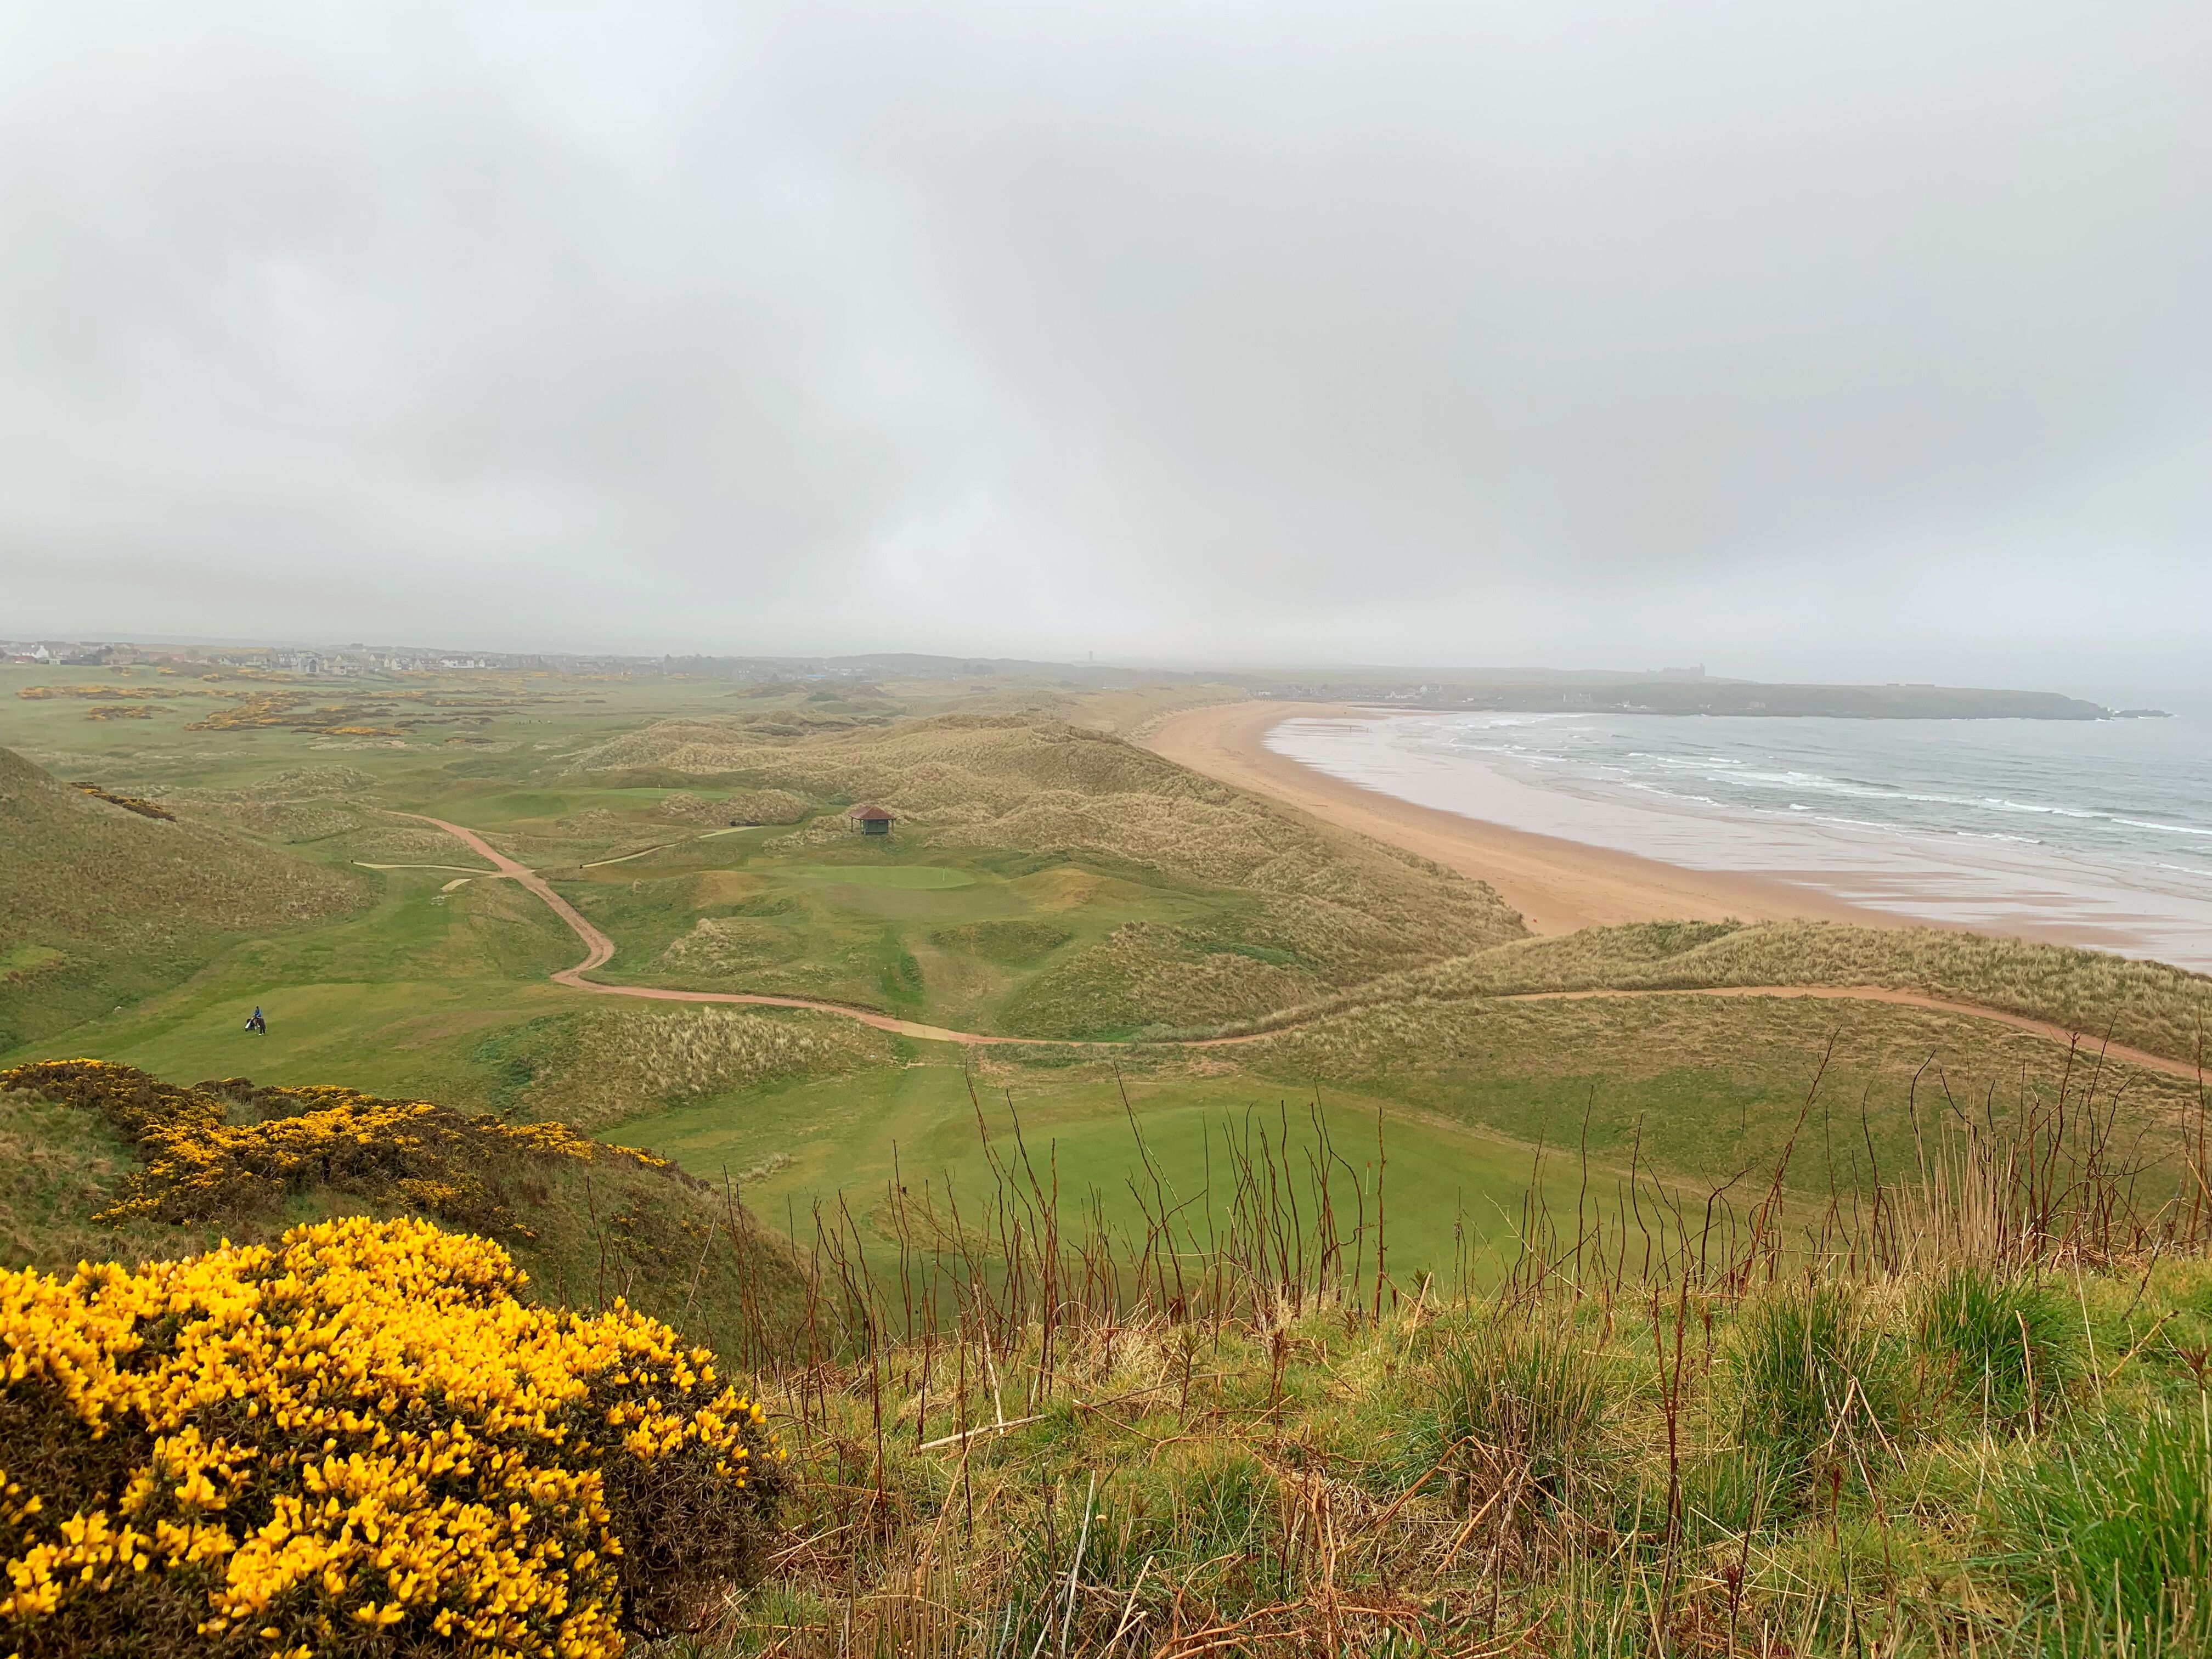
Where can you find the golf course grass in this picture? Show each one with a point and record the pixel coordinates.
(431, 982)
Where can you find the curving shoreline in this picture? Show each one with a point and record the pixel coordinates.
(1559, 886)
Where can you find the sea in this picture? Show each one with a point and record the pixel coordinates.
(2096, 833)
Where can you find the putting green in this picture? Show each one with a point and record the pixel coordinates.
(911, 877)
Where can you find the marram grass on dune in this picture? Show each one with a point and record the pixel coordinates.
(360, 1440)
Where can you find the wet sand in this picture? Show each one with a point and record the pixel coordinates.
(1558, 885)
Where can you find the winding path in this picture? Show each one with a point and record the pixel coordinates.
(599, 950)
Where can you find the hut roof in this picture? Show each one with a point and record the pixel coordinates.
(870, 815)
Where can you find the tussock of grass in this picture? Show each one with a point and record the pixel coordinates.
(2010, 1346)
(2111, 1534)
(1525, 1413)
(1820, 1388)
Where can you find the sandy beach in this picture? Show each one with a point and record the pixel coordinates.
(1558, 885)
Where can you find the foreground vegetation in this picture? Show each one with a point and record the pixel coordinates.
(106, 1161)
(359, 1441)
(1963, 1413)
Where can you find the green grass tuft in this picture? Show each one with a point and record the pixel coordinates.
(1522, 1411)
(2008, 1349)
(2113, 1535)
(1821, 1389)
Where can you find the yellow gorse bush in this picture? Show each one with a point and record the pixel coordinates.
(201, 1167)
(360, 1440)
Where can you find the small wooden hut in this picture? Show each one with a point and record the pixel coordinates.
(871, 820)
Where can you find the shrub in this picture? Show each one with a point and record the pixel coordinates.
(2007, 1349)
(359, 1441)
(2114, 1537)
(1819, 1389)
(144, 809)
(199, 1167)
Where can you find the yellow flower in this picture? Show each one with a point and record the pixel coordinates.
(396, 1411)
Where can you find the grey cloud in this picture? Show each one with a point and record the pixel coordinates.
(1836, 339)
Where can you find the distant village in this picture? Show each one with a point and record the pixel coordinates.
(356, 661)
(350, 660)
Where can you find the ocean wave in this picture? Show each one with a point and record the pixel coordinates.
(2168, 828)
(1602, 755)
(1861, 823)
(2005, 805)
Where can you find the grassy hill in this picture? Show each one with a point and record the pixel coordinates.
(1957, 1410)
(100, 903)
(104, 1161)
(1044, 879)
(2145, 1005)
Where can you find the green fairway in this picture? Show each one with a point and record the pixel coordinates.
(1448, 1194)
(911, 877)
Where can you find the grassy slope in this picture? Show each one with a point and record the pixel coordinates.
(98, 903)
(920, 1126)
(1511, 1479)
(1180, 902)
(1707, 1084)
(593, 1234)
(2146, 1005)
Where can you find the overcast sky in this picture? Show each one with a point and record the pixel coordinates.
(1852, 340)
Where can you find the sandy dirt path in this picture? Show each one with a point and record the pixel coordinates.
(1558, 886)
(599, 949)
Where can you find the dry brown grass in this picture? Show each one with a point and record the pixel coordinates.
(1646, 1036)
(607, 1064)
(743, 806)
